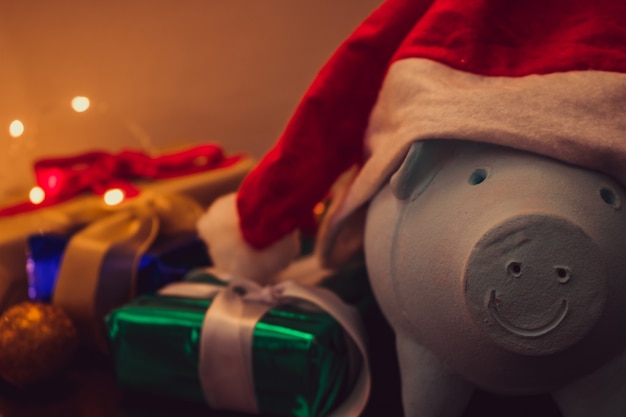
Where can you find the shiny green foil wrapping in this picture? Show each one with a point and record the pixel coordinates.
(300, 358)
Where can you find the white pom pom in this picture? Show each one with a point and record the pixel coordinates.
(219, 228)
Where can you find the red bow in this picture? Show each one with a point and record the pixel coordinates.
(64, 178)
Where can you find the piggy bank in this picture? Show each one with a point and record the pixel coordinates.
(505, 271)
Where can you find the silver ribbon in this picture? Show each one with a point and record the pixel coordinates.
(225, 363)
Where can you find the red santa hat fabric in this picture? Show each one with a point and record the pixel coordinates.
(546, 76)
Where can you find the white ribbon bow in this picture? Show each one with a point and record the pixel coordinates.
(225, 363)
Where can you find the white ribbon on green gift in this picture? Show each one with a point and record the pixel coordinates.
(225, 362)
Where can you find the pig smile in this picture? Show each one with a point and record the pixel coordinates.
(527, 332)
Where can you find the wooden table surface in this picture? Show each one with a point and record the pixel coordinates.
(88, 389)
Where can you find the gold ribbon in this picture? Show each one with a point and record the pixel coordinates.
(99, 266)
(225, 362)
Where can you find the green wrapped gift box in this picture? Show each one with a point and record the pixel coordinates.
(303, 364)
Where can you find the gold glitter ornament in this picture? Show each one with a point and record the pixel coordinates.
(36, 341)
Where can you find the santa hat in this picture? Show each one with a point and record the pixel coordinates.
(546, 76)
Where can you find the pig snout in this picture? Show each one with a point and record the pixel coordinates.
(535, 284)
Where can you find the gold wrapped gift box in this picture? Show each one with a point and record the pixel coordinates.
(203, 187)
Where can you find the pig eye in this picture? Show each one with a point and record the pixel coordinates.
(610, 197)
(479, 175)
(514, 269)
(563, 274)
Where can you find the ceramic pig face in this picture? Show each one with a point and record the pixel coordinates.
(503, 270)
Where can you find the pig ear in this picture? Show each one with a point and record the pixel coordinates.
(417, 170)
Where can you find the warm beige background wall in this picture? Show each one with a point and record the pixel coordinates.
(176, 72)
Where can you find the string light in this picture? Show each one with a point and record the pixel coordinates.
(52, 181)
(37, 195)
(319, 209)
(201, 161)
(16, 128)
(113, 197)
(80, 104)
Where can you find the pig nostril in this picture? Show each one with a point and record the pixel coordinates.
(478, 176)
(514, 269)
(563, 274)
(609, 197)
